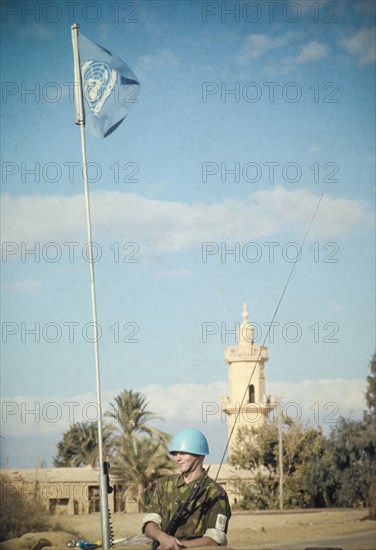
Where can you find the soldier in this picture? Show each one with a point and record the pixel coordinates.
(205, 521)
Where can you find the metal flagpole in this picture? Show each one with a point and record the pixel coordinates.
(80, 120)
(280, 456)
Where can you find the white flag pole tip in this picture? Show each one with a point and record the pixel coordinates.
(79, 108)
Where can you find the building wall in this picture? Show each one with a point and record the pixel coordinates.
(60, 491)
(77, 497)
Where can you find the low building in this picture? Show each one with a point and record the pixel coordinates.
(75, 491)
(68, 491)
(232, 479)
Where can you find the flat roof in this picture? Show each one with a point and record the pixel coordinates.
(88, 474)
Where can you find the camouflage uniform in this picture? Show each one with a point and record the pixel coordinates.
(209, 513)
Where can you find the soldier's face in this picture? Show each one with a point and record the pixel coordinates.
(187, 462)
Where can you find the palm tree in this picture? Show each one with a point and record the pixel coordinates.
(79, 445)
(140, 461)
(140, 450)
(131, 416)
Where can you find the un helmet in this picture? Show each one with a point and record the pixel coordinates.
(191, 441)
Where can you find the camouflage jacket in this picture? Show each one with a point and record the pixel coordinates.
(208, 514)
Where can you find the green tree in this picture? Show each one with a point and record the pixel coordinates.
(130, 415)
(321, 477)
(79, 446)
(370, 419)
(338, 470)
(370, 415)
(18, 516)
(352, 448)
(250, 455)
(140, 461)
(302, 445)
(257, 450)
(140, 449)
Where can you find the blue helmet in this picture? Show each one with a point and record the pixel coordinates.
(191, 441)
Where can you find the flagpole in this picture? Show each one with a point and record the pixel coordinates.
(80, 120)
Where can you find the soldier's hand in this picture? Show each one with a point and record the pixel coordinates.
(166, 542)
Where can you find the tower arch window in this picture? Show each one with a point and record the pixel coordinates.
(251, 394)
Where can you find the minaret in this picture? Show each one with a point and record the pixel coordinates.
(247, 404)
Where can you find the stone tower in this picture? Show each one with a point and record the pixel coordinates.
(247, 403)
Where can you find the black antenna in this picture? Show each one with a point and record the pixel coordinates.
(267, 335)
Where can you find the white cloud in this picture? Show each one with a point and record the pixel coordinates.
(26, 285)
(366, 7)
(42, 218)
(22, 415)
(317, 401)
(314, 51)
(310, 53)
(322, 402)
(362, 45)
(190, 402)
(257, 45)
(165, 226)
(36, 31)
(335, 217)
(163, 58)
(53, 415)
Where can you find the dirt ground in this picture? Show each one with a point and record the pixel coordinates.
(246, 528)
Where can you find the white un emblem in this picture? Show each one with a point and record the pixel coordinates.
(98, 82)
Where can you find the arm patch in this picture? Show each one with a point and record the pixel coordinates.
(221, 522)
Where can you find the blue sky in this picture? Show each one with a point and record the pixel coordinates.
(199, 202)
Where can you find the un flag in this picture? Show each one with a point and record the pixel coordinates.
(109, 88)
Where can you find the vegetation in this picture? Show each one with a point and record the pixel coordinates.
(79, 446)
(138, 450)
(352, 448)
(257, 450)
(140, 461)
(318, 471)
(370, 415)
(17, 515)
(131, 416)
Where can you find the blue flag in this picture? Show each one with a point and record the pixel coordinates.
(109, 88)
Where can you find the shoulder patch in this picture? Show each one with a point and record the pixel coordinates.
(221, 522)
